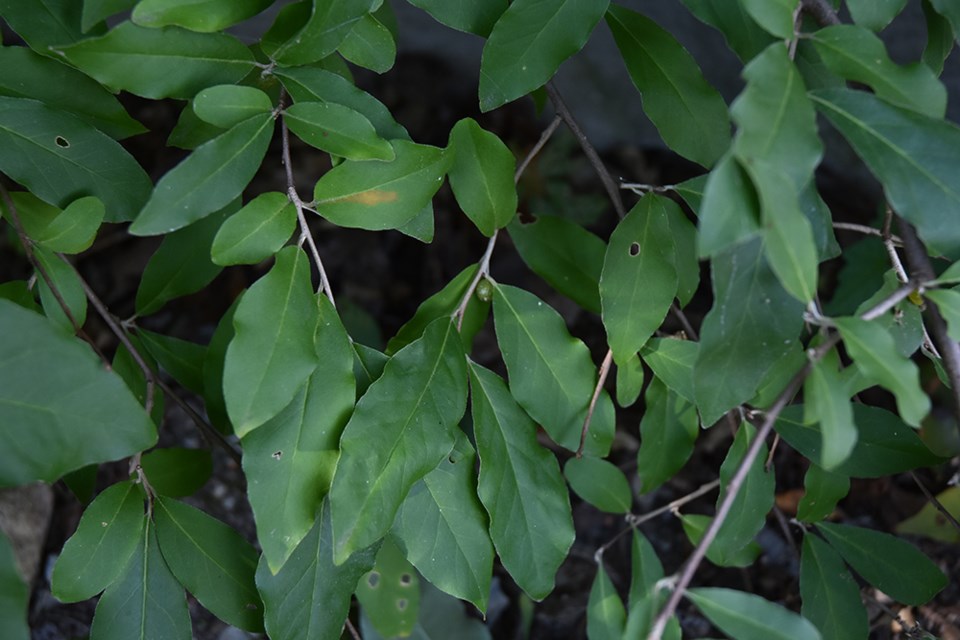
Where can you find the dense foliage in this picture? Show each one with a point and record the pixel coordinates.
(402, 476)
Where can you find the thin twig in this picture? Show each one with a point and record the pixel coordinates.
(544, 137)
(352, 630)
(684, 322)
(936, 502)
(205, 427)
(865, 230)
(613, 191)
(604, 371)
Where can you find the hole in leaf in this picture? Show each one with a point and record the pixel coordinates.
(62, 142)
(373, 579)
(405, 579)
(277, 454)
(634, 249)
(451, 460)
(402, 604)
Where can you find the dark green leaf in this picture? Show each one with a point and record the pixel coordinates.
(14, 594)
(370, 45)
(668, 431)
(213, 370)
(743, 35)
(96, 11)
(948, 302)
(646, 569)
(61, 158)
(949, 10)
(65, 280)
(160, 63)
(177, 472)
(401, 430)
(875, 14)
(212, 561)
(338, 130)
(57, 423)
(689, 113)
(894, 566)
(831, 597)
(828, 403)
(72, 230)
(563, 253)
(822, 491)
(227, 105)
(696, 525)
(206, 16)
(367, 366)
(390, 593)
(190, 131)
(465, 15)
(182, 359)
(606, 615)
(96, 554)
(672, 362)
(481, 176)
(776, 16)
(552, 375)
(322, 32)
(600, 483)
(730, 209)
(272, 353)
(209, 178)
(44, 23)
(528, 43)
(520, 486)
(255, 232)
(441, 616)
(745, 616)
(939, 38)
(630, 379)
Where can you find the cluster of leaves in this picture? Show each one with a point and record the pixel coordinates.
(360, 476)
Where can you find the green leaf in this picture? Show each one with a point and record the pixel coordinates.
(146, 601)
(930, 523)
(420, 226)
(563, 253)
(552, 375)
(177, 472)
(875, 14)
(520, 486)
(894, 566)
(856, 54)
(273, 352)
(370, 45)
(310, 596)
(949, 10)
(441, 616)
(401, 430)
(754, 323)
(96, 554)
(205, 16)
(730, 209)
(182, 359)
(212, 561)
(181, 265)
(227, 105)
(831, 597)
(694, 526)
(60, 158)
(748, 617)
(443, 528)
(14, 594)
(190, 131)
(630, 379)
(53, 424)
(672, 362)
(464, 15)
(939, 38)
(322, 32)
(96, 11)
(390, 593)
(822, 491)
(528, 43)
(912, 155)
(606, 615)
(255, 232)
(776, 16)
(743, 35)
(828, 403)
(310, 84)
(885, 445)
(133, 375)
(639, 279)
(600, 483)
(18, 292)
(209, 178)
(381, 195)
(29, 75)
(160, 63)
(338, 130)
(481, 176)
(875, 354)
(754, 500)
(72, 230)
(646, 569)
(948, 302)
(689, 113)
(368, 366)
(289, 460)
(213, 370)
(668, 431)
(685, 259)
(67, 283)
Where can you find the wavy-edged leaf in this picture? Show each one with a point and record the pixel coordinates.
(776, 16)
(322, 31)
(273, 352)
(875, 354)
(914, 156)
(160, 63)
(55, 424)
(831, 597)
(443, 528)
(381, 195)
(606, 615)
(822, 491)
(338, 130)
(748, 617)
(177, 472)
(481, 176)
(227, 105)
(563, 253)
(465, 15)
(600, 483)
(639, 279)
(209, 178)
(885, 444)
(205, 16)
(689, 113)
(310, 576)
(552, 375)
(60, 158)
(672, 361)
(668, 431)
(212, 561)
(856, 54)
(828, 403)
(744, 36)
(520, 486)
(97, 553)
(894, 566)
(400, 431)
(256, 231)
(146, 602)
(14, 594)
(528, 43)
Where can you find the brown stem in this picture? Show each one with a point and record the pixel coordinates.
(604, 371)
(936, 503)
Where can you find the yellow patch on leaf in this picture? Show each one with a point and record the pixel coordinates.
(373, 197)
